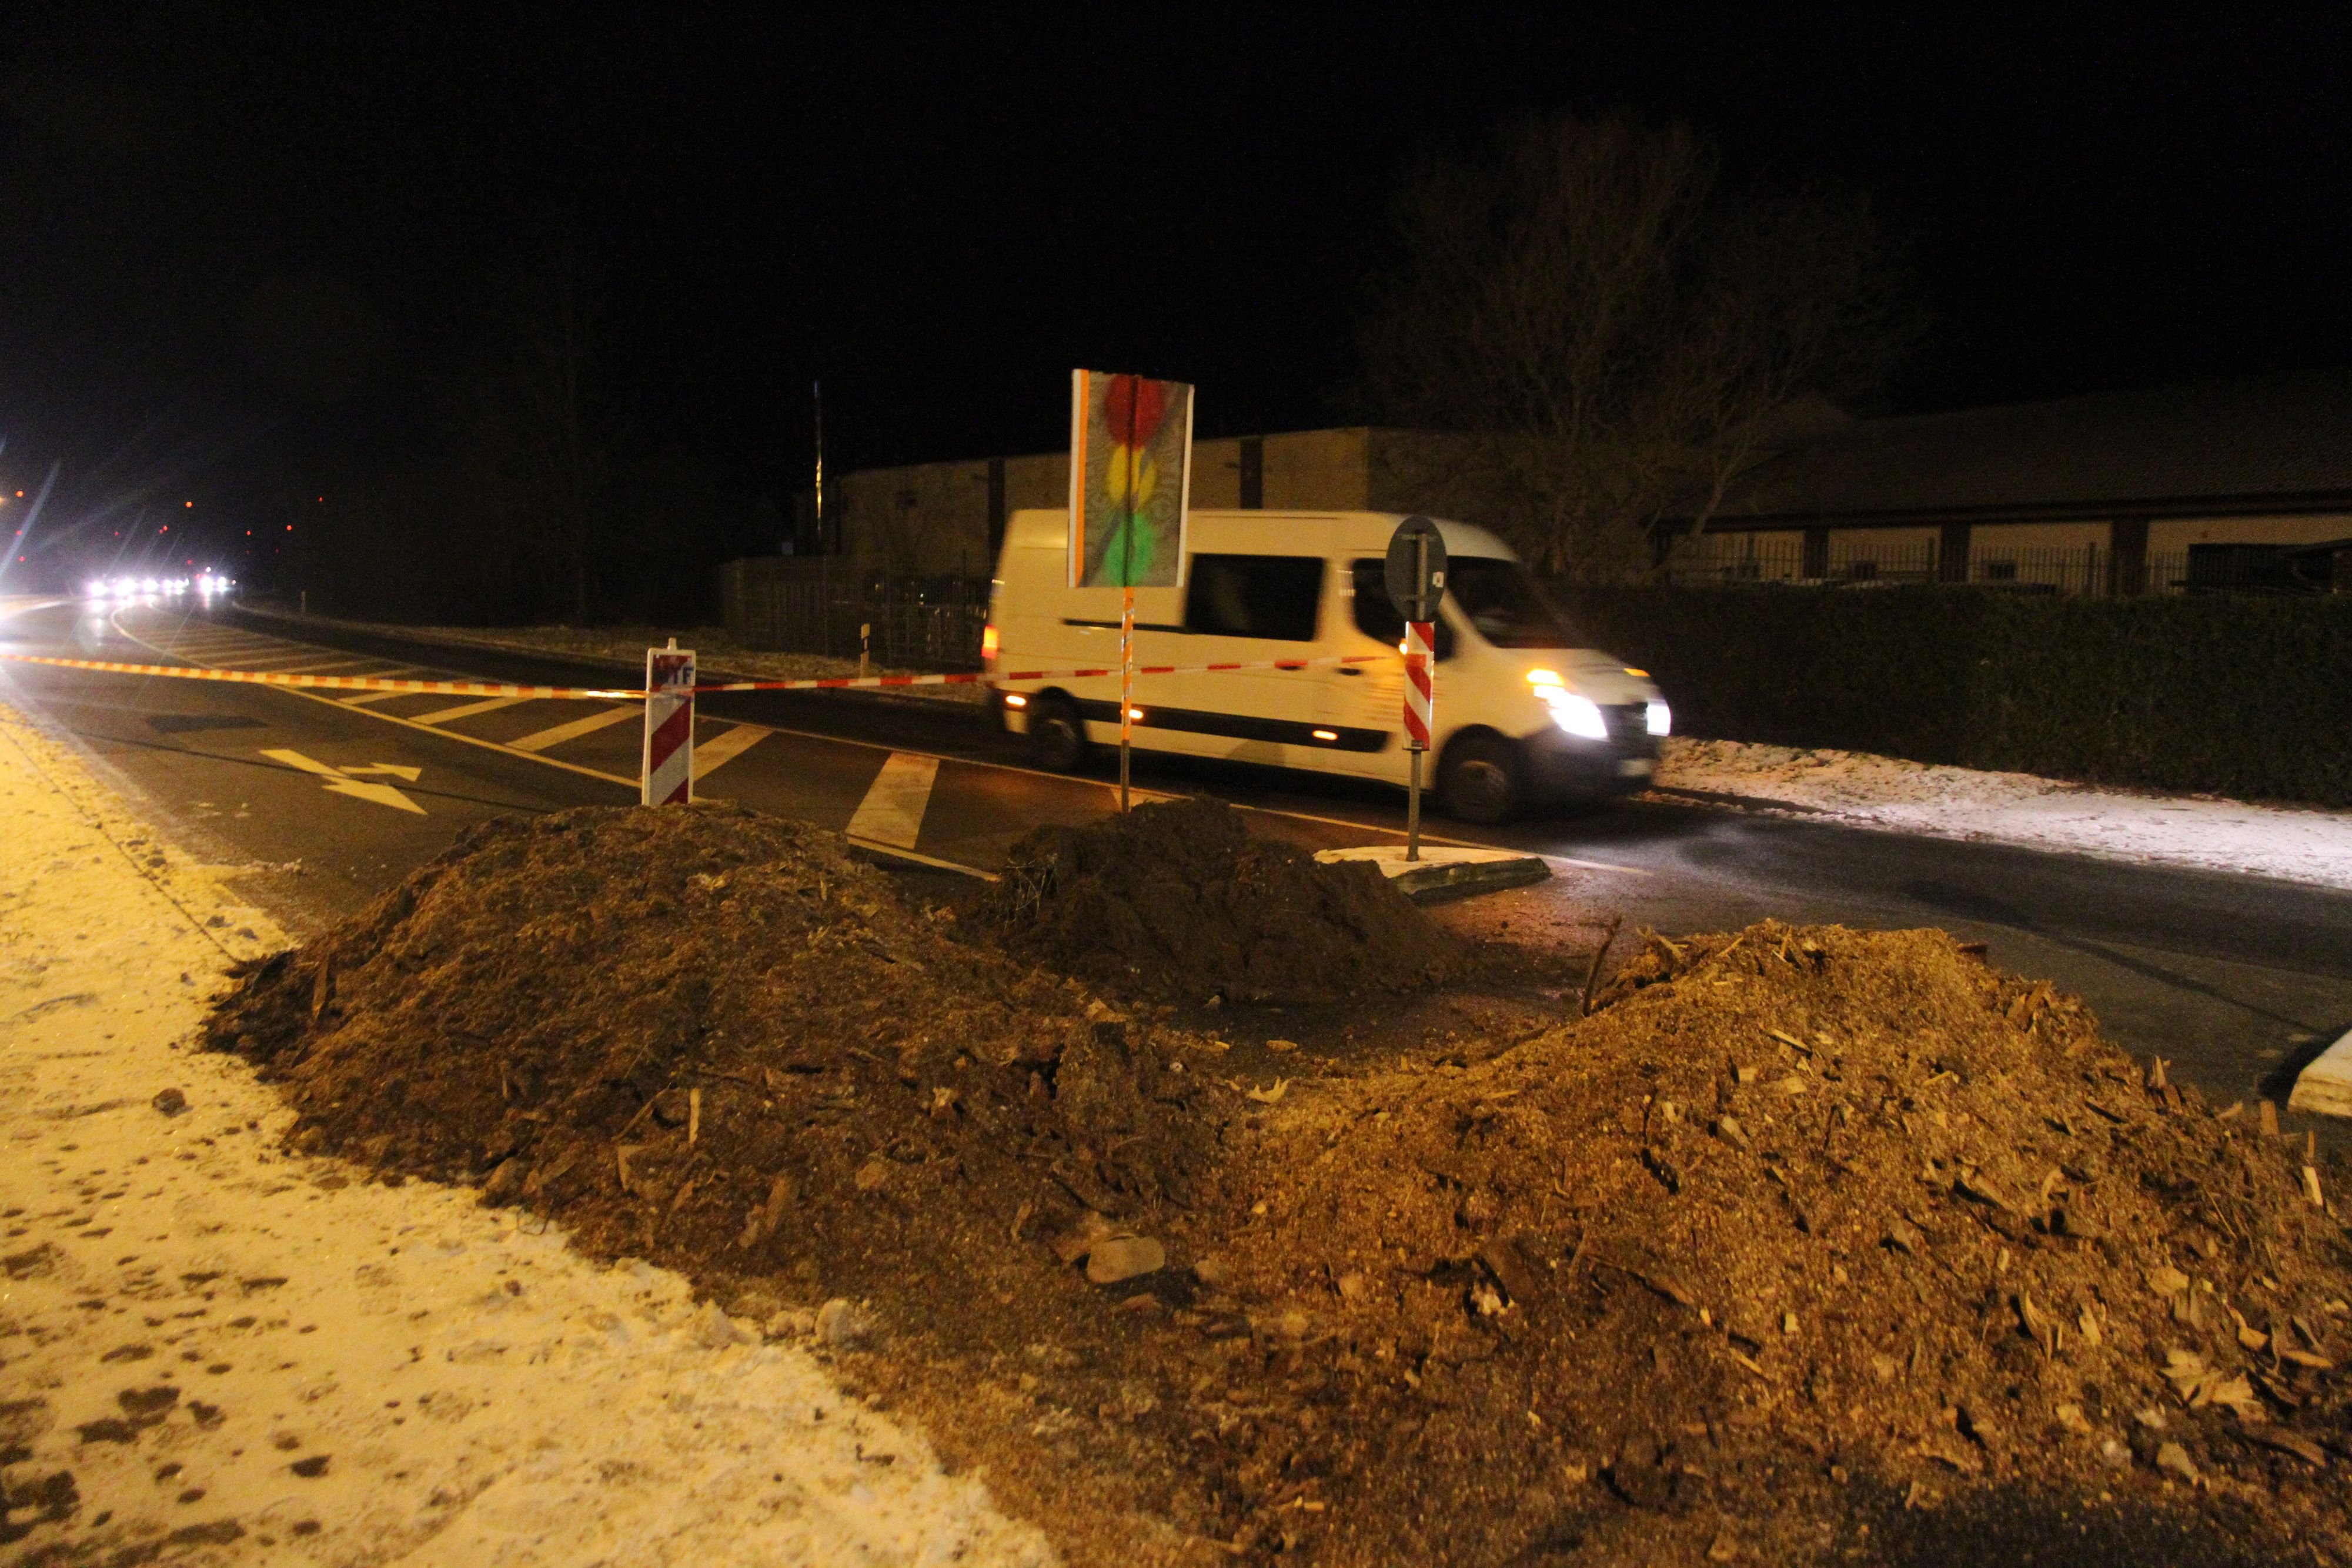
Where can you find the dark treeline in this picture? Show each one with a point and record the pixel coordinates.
(496, 479)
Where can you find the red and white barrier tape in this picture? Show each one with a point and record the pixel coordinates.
(1106, 671)
(332, 683)
(843, 683)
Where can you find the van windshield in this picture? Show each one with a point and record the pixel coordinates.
(1504, 605)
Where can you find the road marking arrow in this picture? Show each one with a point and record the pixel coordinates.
(339, 783)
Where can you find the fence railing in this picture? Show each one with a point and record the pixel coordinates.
(790, 606)
(1732, 560)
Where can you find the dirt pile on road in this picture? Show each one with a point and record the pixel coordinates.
(1177, 900)
(1804, 1229)
(713, 1038)
(1808, 1245)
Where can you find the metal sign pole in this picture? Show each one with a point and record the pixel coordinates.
(1127, 595)
(1126, 685)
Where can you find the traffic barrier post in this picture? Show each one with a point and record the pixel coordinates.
(667, 773)
(1419, 711)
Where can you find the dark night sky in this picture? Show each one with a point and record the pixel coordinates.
(941, 213)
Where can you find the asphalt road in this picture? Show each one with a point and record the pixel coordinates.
(2235, 979)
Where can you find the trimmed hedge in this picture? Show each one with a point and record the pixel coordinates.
(2228, 694)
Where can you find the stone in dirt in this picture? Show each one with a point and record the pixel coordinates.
(1121, 1257)
(843, 1325)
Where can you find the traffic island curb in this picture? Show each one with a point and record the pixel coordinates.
(1445, 871)
(2324, 1087)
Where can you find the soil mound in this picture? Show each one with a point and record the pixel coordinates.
(1807, 1229)
(1809, 1245)
(1177, 900)
(713, 1036)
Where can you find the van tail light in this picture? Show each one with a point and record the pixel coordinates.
(988, 644)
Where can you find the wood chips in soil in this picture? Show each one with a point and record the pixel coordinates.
(1810, 1244)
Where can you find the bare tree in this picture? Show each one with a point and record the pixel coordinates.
(534, 427)
(1604, 330)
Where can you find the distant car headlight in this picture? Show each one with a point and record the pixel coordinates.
(1580, 716)
(1661, 719)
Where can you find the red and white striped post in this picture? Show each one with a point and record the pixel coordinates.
(667, 773)
(1419, 711)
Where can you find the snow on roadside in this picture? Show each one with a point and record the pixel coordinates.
(219, 1352)
(2206, 832)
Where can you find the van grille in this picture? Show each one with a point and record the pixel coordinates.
(1629, 726)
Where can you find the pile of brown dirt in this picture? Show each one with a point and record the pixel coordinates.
(1810, 1244)
(1177, 900)
(1806, 1229)
(713, 1036)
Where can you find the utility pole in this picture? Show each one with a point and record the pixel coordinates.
(818, 388)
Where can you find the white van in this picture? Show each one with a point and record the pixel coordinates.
(1525, 717)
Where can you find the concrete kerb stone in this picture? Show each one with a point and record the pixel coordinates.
(2324, 1087)
(1445, 871)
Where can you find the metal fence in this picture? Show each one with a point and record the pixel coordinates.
(1733, 560)
(802, 606)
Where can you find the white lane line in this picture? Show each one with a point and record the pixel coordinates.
(892, 811)
(323, 666)
(256, 645)
(214, 640)
(468, 710)
(724, 748)
(274, 663)
(366, 698)
(561, 732)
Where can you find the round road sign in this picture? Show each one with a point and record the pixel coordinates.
(1416, 569)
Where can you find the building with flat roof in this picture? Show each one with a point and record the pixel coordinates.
(2148, 491)
(946, 519)
(2117, 492)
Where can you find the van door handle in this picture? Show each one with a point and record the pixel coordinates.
(1350, 670)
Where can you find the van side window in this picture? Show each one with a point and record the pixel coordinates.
(1376, 613)
(1269, 596)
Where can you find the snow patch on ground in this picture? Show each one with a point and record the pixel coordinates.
(2205, 832)
(240, 1355)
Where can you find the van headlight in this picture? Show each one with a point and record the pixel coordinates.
(1661, 719)
(1580, 716)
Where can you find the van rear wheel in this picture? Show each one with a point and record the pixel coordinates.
(1482, 780)
(1057, 736)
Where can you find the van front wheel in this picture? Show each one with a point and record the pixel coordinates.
(1482, 780)
(1057, 736)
